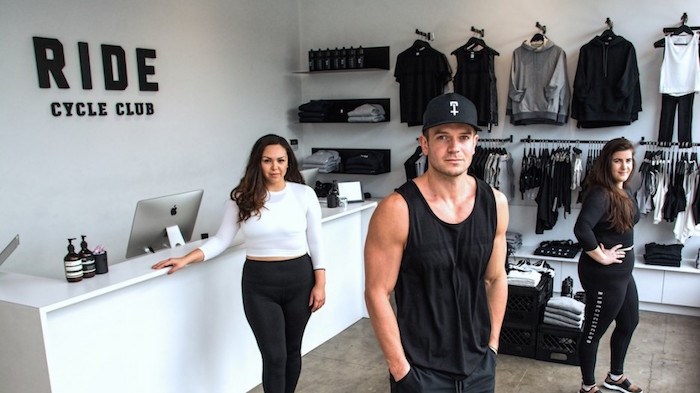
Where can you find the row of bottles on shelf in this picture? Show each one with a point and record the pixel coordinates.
(336, 59)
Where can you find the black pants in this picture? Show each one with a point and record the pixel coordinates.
(669, 104)
(421, 380)
(609, 298)
(276, 304)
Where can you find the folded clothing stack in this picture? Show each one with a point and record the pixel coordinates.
(326, 161)
(558, 248)
(524, 278)
(315, 111)
(365, 162)
(565, 312)
(663, 254)
(514, 241)
(525, 273)
(367, 113)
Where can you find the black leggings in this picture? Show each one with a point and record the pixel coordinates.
(276, 304)
(609, 297)
(669, 104)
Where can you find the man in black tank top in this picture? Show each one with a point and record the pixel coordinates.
(439, 243)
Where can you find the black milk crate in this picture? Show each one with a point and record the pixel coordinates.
(558, 344)
(526, 304)
(518, 340)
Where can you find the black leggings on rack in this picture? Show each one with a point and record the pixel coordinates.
(683, 105)
(276, 304)
(609, 297)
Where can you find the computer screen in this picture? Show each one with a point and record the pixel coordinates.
(9, 249)
(155, 219)
(310, 176)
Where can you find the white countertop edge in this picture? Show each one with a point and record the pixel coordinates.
(48, 294)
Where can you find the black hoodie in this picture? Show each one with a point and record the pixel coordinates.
(606, 86)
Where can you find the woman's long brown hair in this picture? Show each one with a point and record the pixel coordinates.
(251, 192)
(621, 209)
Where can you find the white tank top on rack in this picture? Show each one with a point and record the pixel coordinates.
(680, 69)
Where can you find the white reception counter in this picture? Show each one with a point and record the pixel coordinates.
(135, 329)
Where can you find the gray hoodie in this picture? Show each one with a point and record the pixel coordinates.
(539, 85)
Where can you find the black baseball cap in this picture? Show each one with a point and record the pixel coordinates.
(450, 108)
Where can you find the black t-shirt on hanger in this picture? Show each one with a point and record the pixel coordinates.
(422, 73)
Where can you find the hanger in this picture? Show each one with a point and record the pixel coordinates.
(538, 37)
(420, 43)
(475, 40)
(608, 35)
(674, 31)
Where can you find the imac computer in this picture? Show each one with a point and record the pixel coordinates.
(162, 222)
(310, 176)
(9, 249)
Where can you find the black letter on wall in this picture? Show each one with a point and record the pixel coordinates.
(46, 66)
(85, 72)
(109, 51)
(145, 70)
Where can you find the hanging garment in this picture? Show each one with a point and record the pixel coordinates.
(680, 79)
(680, 68)
(411, 164)
(606, 86)
(475, 79)
(539, 85)
(422, 73)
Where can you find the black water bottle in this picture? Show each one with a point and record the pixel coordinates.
(567, 287)
(333, 198)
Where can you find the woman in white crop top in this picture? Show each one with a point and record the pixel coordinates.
(284, 277)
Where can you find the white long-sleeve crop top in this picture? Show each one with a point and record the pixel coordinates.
(289, 226)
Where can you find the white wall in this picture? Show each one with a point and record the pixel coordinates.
(223, 68)
(570, 24)
(225, 75)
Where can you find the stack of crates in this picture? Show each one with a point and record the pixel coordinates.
(524, 313)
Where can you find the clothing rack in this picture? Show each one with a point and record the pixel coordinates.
(609, 23)
(684, 21)
(428, 36)
(499, 140)
(681, 145)
(542, 28)
(480, 32)
(530, 140)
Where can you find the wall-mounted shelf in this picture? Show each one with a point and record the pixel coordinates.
(337, 111)
(346, 154)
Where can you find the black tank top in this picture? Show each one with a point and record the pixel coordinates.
(442, 311)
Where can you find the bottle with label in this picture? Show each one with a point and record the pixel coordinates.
(73, 264)
(333, 198)
(335, 59)
(342, 62)
(360, 58)
(312, 60)
(87, 259)
(351, 61)
(319, 60)
(327, 59)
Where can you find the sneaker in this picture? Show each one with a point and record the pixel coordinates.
(622, 385)
(594, 389)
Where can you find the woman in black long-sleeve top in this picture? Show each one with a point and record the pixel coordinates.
(605, 230)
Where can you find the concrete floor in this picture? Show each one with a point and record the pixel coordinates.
(664, 357)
